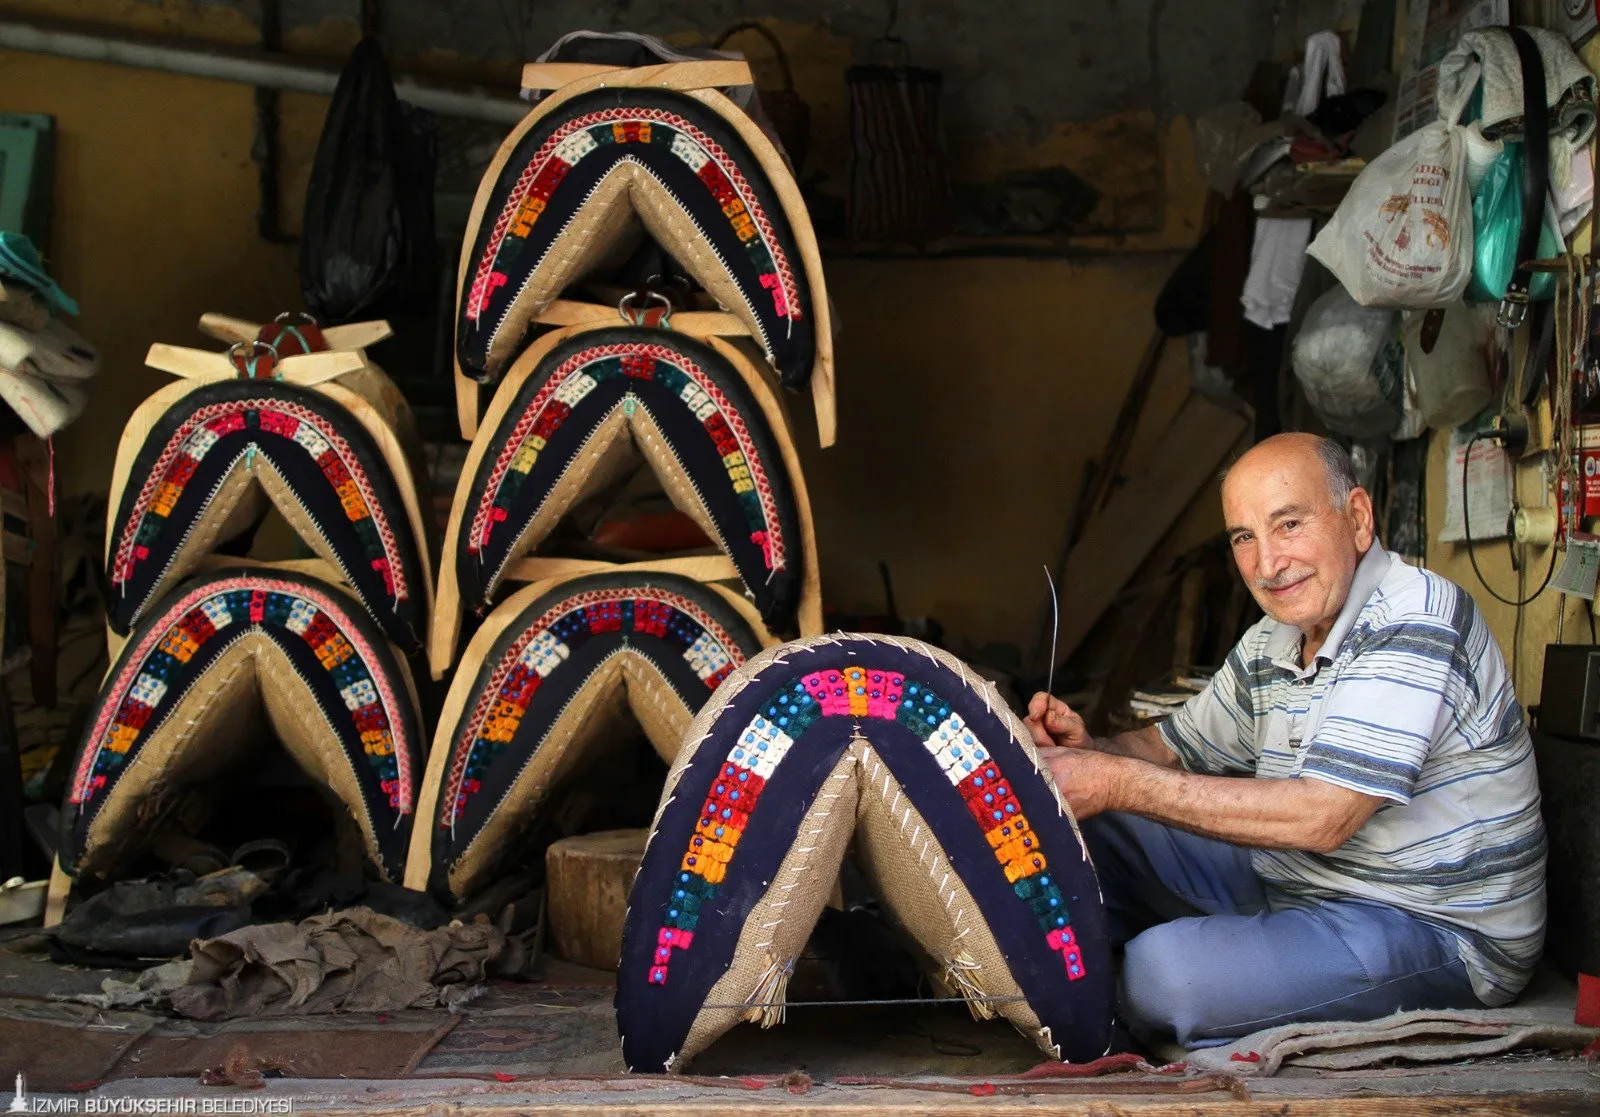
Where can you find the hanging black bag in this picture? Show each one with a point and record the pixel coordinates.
(367, 248)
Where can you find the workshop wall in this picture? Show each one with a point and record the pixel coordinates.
(1548, 619)
(972, 388)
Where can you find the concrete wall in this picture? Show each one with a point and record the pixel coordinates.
(972, 390)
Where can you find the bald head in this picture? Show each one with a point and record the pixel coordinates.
(1302, 451)
(1298, 525)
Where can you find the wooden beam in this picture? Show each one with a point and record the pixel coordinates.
(1100, 478)
(1141, 512)
(687, 1096)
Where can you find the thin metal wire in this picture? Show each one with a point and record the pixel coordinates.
(886, 1001)
(1055, 637)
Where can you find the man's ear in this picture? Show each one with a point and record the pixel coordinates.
(1359, 509)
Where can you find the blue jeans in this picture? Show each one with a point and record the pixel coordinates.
(1212, 953)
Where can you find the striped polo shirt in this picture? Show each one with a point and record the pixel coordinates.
(1408, 700)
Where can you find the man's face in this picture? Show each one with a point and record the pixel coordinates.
(1296, 551)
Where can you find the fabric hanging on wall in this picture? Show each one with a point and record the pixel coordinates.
(539, 693)
(1491, 57)
(1322, 73)
(560, 199)
(217, 664)
(1277, 259)
(1233, 234)
(899, 747)
(899, 178)
(603, 398)
(216, 456)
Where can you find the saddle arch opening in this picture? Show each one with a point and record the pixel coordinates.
(231, 669)
(558, 677)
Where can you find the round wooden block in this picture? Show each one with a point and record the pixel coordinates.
(587, 882)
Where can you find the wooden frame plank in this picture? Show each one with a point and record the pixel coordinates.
(1141, 512)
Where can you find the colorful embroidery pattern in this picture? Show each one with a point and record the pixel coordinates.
(200, 432)
(608, 128)
(545, 644)
(579, 375)
(223, 610)
(860, 692)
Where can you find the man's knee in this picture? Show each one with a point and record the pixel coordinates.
(1162, 986)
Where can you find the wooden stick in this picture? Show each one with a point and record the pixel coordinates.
(1099, 483)
(1122, 537)
(711, 73)
(355, 335)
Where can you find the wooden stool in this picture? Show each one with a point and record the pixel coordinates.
(587, 880)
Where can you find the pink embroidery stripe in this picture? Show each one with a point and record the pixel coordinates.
(478, 294)
(130, 529)
(530, 416)
(135, 664)
(468, 735)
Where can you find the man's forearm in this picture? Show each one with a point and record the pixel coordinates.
(1266, 814)
(1145, 744)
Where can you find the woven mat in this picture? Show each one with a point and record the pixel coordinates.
(1540, 1020)
(66, 1047)
(313, 1047)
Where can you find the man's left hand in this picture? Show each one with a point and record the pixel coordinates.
(1090, 781)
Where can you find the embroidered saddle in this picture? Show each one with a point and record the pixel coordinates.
(899, 747)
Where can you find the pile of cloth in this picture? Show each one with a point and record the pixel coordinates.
(44, 363)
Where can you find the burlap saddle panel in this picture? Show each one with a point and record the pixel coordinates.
(969, 842)
(583, 414)
(549, 684)
(201, 460)
(225, 664)
(578, 179)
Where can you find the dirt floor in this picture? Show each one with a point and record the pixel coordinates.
(551, 1047)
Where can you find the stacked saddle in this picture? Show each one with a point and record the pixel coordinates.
(638, 285)
(217, 657)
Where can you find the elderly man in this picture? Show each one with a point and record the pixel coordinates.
(1387, 852)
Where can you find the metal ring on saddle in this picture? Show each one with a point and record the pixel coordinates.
(247, 365)
(625, 307)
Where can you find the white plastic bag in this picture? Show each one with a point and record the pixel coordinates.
(1350, 365)
(1402, 237)
(1452, 374)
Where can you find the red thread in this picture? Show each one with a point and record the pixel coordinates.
(1587, 1013)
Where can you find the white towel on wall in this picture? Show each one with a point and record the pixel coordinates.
(1277, 260)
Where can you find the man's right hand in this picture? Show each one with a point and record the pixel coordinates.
(1054, 724)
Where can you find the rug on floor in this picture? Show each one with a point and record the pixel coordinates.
(1540, 1019)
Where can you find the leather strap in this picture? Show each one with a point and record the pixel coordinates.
(1535, 177)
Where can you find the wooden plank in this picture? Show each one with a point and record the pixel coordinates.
(1100, 479)
(33, 461)
(710, 73)
(685, 1096)
(1141, 512)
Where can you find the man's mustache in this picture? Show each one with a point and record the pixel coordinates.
(1287, 578)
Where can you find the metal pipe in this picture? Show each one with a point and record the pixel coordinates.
(222, 64)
